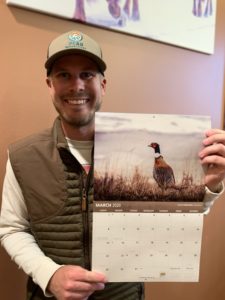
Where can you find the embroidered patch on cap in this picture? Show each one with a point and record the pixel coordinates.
(75, 37)
(75, 40)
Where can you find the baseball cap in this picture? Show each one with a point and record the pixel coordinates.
(74, 42)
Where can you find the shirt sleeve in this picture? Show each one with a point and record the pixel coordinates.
(211, 197)
(16, 237)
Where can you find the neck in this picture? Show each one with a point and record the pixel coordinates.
(157, 155)
(83, 133)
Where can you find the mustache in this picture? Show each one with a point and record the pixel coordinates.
(76, 95)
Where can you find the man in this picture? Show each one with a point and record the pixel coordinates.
(46, 211)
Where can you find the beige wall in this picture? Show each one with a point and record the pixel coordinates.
(143, 76)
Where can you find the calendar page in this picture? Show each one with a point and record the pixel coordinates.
(146, 247)
(148, 191)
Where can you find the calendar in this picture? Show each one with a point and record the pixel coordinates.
(147, 222)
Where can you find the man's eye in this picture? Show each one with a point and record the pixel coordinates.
(63, 75)
(88, 74)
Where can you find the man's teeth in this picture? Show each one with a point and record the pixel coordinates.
(76, 101)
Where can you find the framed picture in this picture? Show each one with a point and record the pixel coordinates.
(184, 23)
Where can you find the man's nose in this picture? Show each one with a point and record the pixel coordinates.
(77, 84)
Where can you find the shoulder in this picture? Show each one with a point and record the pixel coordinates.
(44, 135)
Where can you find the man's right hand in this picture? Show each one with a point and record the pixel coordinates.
(75, 283)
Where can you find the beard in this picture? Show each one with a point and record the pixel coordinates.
(81, 120)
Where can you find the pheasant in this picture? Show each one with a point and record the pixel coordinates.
(162, 172)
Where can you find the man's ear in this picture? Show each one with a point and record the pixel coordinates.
(103, 85)
(48, 81)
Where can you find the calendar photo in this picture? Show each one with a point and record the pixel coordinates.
(148, 158)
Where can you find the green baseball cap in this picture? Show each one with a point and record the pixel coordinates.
(74, 42)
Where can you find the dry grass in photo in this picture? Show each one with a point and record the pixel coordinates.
(139, 188)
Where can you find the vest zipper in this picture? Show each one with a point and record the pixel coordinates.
(85, 211)
(84, 200)
(84, 207)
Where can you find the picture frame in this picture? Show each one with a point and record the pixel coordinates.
(184, 23)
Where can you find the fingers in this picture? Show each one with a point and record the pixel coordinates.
(212, 157)
(214, 131)
(84, 275)
(214, 136)
(214, 144)
(77, 273)
(82, 286)
(212, 153)
(80, 290)
(91, 276)
(74, 282)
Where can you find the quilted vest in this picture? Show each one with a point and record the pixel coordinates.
(59, 197)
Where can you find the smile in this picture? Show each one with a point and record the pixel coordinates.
(76, 101)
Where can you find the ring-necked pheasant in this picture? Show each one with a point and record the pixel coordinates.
(162, 172)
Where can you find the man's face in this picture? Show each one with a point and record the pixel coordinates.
(76, 88)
